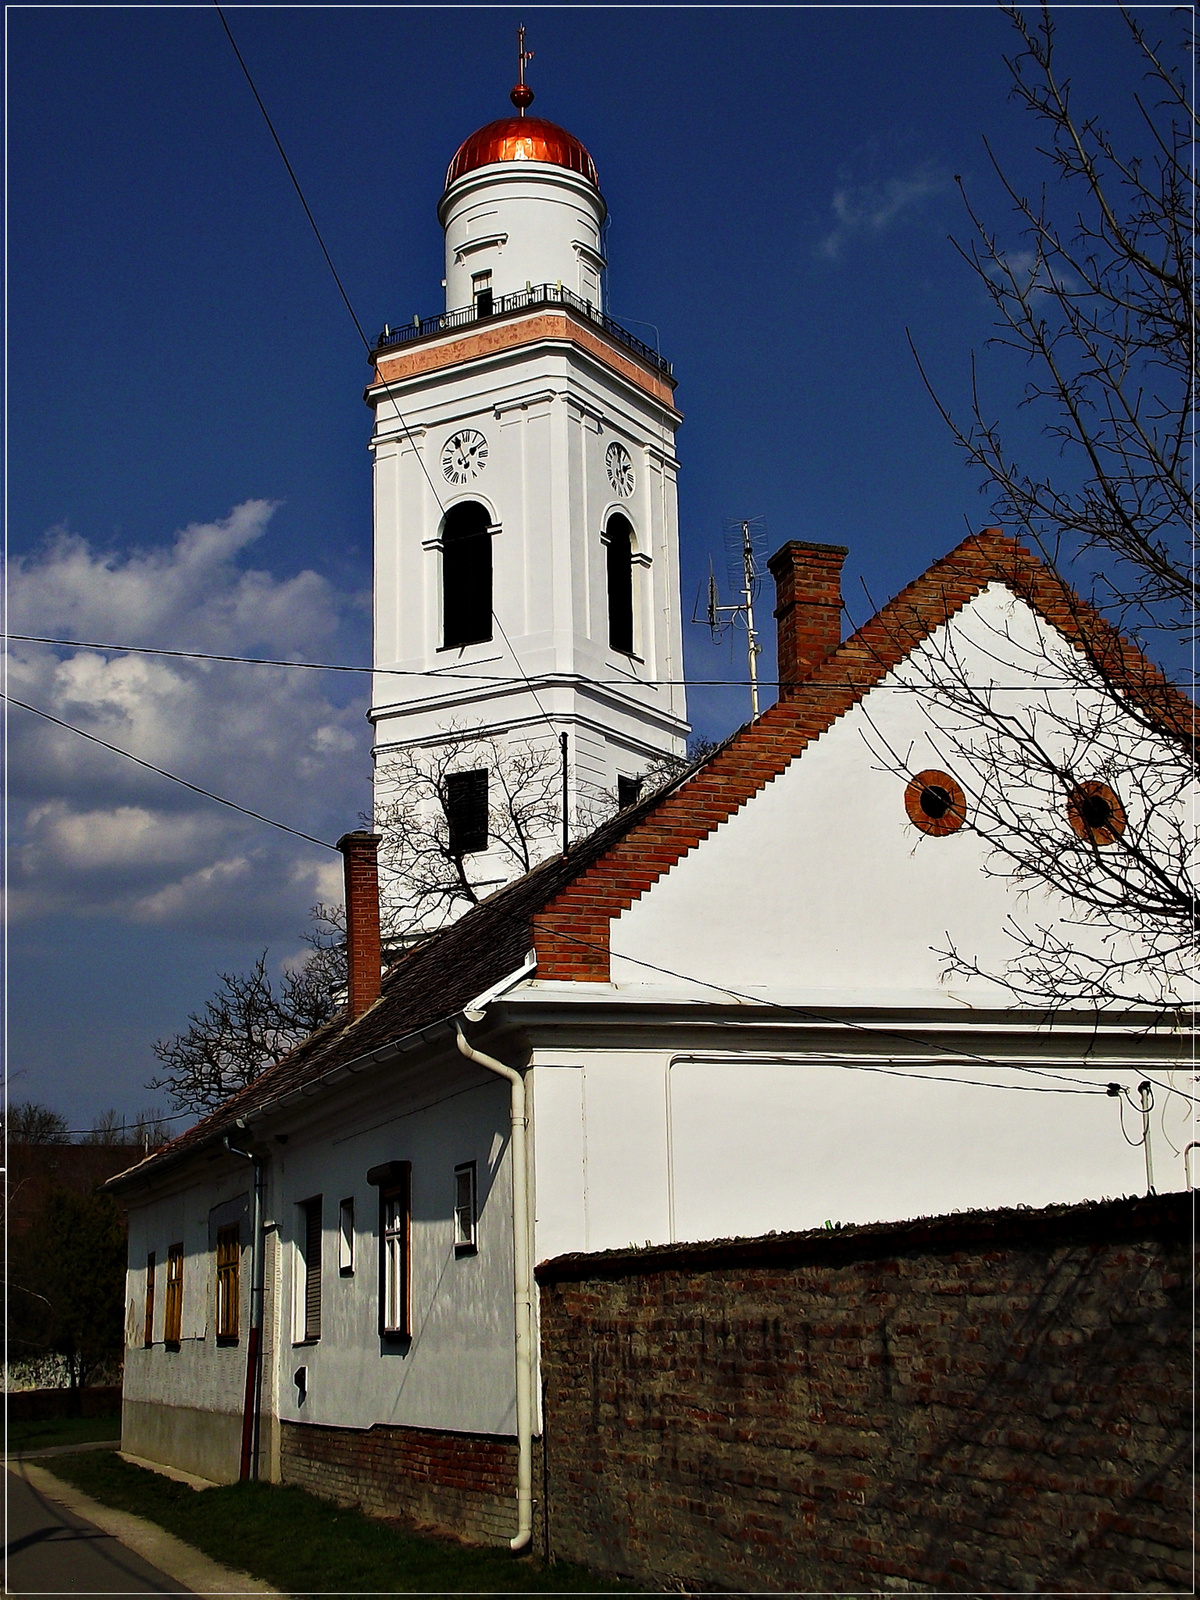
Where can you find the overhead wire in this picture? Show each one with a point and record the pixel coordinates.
(173, 776)
(366, 342)
(488, 678)
(842, 1022)
(436, 673)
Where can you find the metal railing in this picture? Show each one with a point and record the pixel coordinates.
(542, 294)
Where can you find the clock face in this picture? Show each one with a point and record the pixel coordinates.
(620, 469)
(465, 456)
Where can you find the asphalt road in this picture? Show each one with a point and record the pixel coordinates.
(49, 1550)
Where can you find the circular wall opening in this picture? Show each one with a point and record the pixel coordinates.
(1096, 814)
(935, 803)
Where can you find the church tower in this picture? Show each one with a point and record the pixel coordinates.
(526, 530)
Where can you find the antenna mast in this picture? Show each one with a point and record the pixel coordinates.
(743, 542)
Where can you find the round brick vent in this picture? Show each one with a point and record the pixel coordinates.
(1096, 814)
(935, 803)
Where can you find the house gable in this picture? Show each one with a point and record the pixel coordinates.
(572, 932)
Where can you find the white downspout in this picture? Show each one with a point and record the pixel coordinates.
(522, 1283)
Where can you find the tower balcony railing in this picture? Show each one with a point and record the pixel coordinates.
(542, 294)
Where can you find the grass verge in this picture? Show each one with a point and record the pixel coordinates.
(24, 1435)
(304, 1545)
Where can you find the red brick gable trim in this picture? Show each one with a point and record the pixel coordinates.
(571, 934)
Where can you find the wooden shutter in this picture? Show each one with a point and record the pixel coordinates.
(148, 1332)
(229, 1288)
(467, 811)
(173, 1311)
(312, 1269)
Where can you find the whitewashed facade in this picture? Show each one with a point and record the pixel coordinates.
(729, 1009)
(551, 424)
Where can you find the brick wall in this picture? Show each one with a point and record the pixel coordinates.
(459, 1483)
(994, 1400)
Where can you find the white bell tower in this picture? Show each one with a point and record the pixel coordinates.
(526, 530)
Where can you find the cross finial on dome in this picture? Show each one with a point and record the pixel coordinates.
(522, 94)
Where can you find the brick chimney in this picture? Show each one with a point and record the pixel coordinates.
(363, 960)
(808, 609)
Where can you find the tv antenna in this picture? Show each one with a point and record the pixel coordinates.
(745, 544)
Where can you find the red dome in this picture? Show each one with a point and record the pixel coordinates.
(522, 139)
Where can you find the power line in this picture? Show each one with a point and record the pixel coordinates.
(174, 777)
(293, 177)
(842, 1022)
(499, 679)
(366, 342)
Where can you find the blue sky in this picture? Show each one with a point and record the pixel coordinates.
(186, 433)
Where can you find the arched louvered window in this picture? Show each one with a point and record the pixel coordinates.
(618, 539)
(466, 575)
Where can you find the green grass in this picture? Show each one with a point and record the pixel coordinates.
(61, 1430)
(305, 1545)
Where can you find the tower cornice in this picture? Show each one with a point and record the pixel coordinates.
(436, 352)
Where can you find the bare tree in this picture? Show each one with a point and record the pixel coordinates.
(247, 1026)
(1100, 305)
(112, 1127)
(434, 869)
(31, 1123)
(1084, 787)
(432, 872)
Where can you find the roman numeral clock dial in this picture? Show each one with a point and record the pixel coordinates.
(464, 457)
(620, 469)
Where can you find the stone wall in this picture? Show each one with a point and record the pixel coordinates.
(458, 1483)
(985, 1401)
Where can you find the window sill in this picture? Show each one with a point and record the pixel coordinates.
(300, 1344)
(226, 1339)
(467, 644)
(172, 1344)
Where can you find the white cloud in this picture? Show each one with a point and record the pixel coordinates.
(189, 594)
(94, 833)
(869, 209)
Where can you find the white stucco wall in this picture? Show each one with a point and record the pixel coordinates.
(653, 1146)
(821, 882)
(527, 222)
(456, 1372)
(200, 1371)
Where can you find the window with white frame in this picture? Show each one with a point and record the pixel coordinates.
(346, 1237)
(394, 1182)
(465, 1238)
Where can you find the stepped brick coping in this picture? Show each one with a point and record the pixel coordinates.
(571, 932)
(1134, 1217)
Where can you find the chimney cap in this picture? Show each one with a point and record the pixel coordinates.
(807, 544)
(358, 836)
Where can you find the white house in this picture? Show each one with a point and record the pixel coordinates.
(722, 1013)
